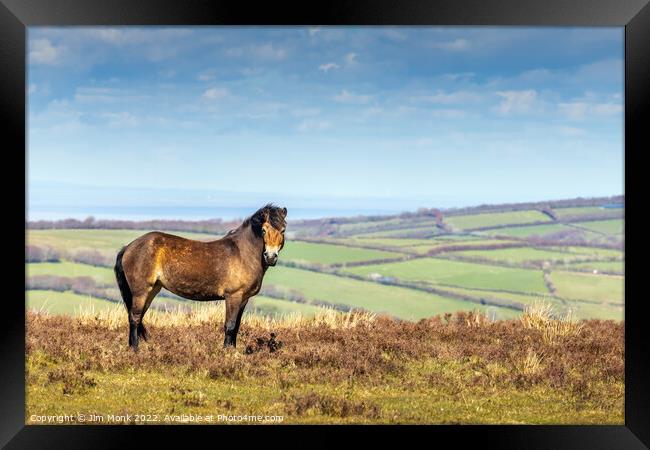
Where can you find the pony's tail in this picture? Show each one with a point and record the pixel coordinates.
(122, 283)
(125, 290)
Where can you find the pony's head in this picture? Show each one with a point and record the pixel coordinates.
(270, 222)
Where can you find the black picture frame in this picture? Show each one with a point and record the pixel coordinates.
(16, 15)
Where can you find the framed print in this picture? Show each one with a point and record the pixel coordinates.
(347, 214)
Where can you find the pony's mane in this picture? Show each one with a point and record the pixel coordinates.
(269, 212)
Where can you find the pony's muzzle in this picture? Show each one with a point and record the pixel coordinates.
(271, 258)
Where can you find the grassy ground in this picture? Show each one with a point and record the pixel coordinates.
(330, 254)
(64, 302)
(102, 275)
(518, 255)
(611, 227)
(613, 266)
(579, 310)
(95, 239)
(494, 219)
(333, 368)
(275, 307)
(400, 302)
(522, 232)
(593, 251)
(435, 270)
(607, 288)
(430, 227)
(588, 210)
(388, 242)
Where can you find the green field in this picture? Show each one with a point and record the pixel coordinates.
(399, 302)
(524, 299)
(102, 275)
(610, 266)
(70, 302)
(275, 307)
(436, 270)
(572, 285)
(404, 231)
(442, 272)
(67, 303)
(579, 310)
(388, 242)
(494, 219)
(101, 240)
(563, 213)
(422, 246)
(610, 227)
(330, 254)
(522, 254)
(362, 226)
(522, 232)
(593, 251)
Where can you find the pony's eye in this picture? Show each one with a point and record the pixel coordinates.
(263, 230)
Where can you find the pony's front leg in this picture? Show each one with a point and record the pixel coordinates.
(230, 327)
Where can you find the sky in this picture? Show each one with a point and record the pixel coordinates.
(358, 118)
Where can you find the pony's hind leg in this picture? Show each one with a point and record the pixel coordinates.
(141, 302)
(142, 331)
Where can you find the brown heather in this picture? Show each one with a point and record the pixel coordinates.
(336, 348)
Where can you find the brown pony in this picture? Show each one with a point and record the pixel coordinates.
(230, 268)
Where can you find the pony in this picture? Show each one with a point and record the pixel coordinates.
(231, 268)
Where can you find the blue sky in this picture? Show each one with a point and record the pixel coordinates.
(398, 117)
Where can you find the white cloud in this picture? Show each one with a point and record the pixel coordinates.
(448, 113)
(251, 71)
(124, 36)
(349, 97)
(120, 119)
(582, 109)
(460, 76)
(373, 111)
(449, 98)
(114, 36)
(305, 112)
(327, 67)
(215, 93)
(43, 52)
(572, 131)
(424, 142)
(31, 89)
(602, 71)
(205, 77)
(350, 59)
(313, 125)
(516, 101)
(453, 46)
(107, 95)
(314, 30)
(268, 51)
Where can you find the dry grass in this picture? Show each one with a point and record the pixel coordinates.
(541, 316)
(346, 367)
(334, 345)
(115, 317)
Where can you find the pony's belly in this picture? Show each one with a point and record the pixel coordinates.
(201, 291)
(197, 295)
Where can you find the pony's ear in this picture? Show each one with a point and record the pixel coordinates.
(283, 211)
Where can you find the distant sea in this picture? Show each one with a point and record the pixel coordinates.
(187, 212)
